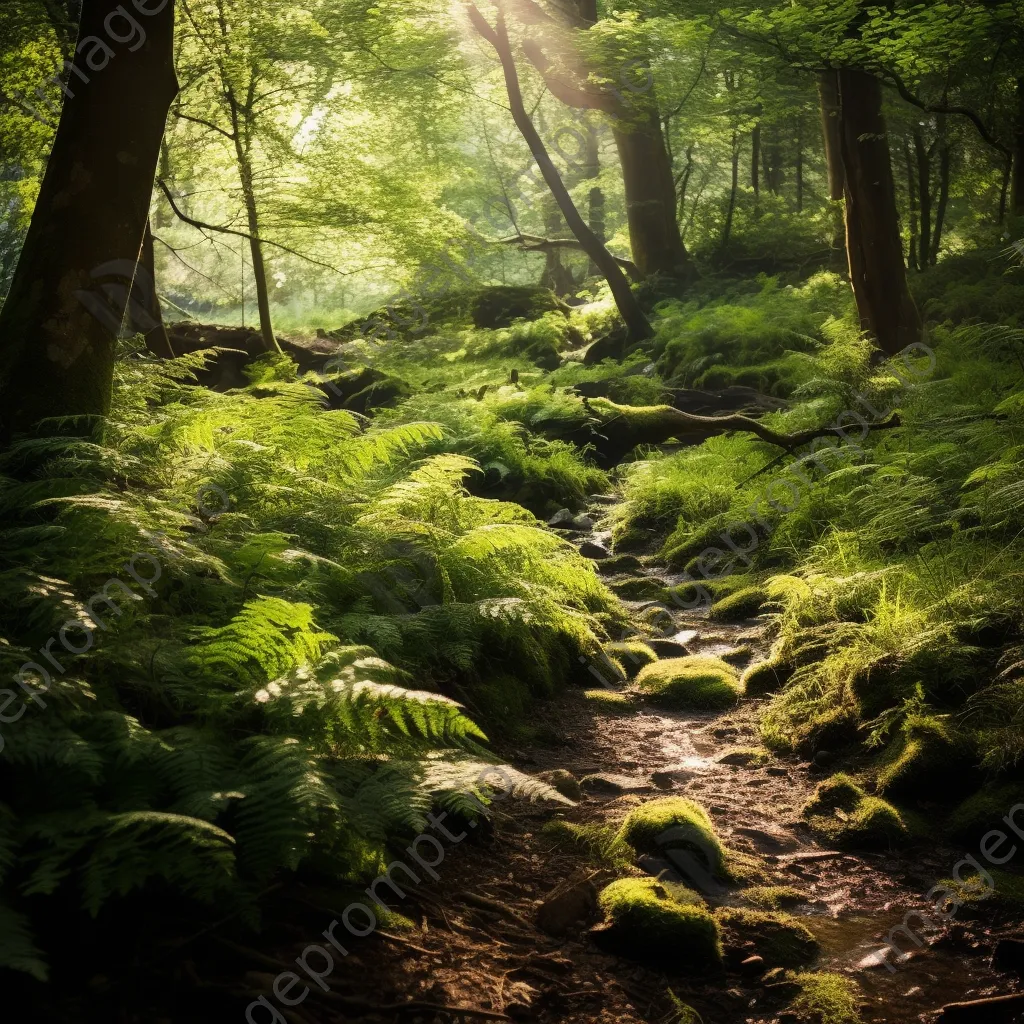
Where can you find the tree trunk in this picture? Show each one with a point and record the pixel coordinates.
(828, 96)
(636, 322)
(1017, 173)
(1004, 191)
(924, 194)
(60, 322)
(595, 199)
(800, 167)
(556, 275)
(651, 199)
(755, 163)
(945, 158)
(144, 314)
(912, 205)
(727, 233)
(875, 250)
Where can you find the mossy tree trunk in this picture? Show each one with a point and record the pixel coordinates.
(59, 325)
(873, 243)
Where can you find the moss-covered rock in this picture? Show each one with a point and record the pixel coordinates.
(698, 681)
(925, 760)
(985, 810)
(640, 588)
(841, 812)
(742, 604)
(646, 919)
(825, 999)
(746, 757)
(619, 564)
(502, 305)
(767, 677)
(611, 701)
(781, 940)
(675, 823)
(632, 655)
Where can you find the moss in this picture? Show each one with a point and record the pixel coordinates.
(665, 922)
(502, 305)
(742, 604)
(619, 564)
(774, 897)
(675, 823)
(640, 588)
(632, 655)
(738, 655)
(923, 761)
(600, 844)
(697, 681)
(611, 701)
(825, 998)
(985, 811)
(841, 812)
(766, 677)
(780, 939)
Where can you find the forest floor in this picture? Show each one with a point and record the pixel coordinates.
(478, 946)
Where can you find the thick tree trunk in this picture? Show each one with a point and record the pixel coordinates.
(877, 270)
(637, 325)
(651, 200)
(1017, 173)
(62, 316)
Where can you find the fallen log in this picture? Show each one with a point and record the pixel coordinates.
(991, 1010)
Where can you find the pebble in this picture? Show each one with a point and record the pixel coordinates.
(593, 550)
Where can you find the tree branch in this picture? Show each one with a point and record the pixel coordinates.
(537, 243)
(204, 123)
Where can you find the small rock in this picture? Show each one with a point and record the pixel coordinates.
(742, 758)
(561, 910)
(591, 549)
(670, 779)
(620, 564)
(668, 648)
(581, 523)
(752, 966)
(777, 770)
(604, 782)
(565, 782)
(605, 499)
(823, 758)
(560, 518)
(774, 974)
(658, 867)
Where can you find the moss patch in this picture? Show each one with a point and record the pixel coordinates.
(825, 998)
(675, 823)
(774, 897)
(780, 939)
(985, 811)
(697, 681)
(746, 757)
(743, 604)
(610, 701)
(923, 761)
(650, 919)
(640, 588)
(766, 677)
(841, 812)
(632, 655)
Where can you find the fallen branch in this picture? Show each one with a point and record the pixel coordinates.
(538, 243)
(993, 1010)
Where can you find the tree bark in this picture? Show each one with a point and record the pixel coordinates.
(637, 325)
(828, 96)
(144, 314)
(874, 247)
(800, 166)
(755, 163)
(651, 200)
(595, 198)
(60, 322)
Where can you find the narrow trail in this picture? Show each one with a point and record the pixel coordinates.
(486, 950)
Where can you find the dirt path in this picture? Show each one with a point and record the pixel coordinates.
(482, 947)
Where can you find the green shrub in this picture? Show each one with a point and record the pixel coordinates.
(697, 681)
